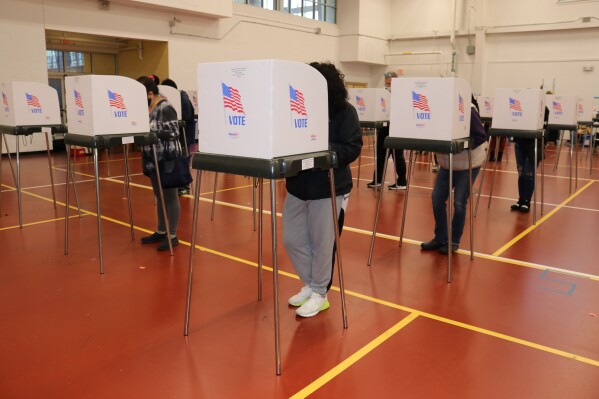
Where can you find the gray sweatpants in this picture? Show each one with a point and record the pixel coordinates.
(173, 208)
(309, 237)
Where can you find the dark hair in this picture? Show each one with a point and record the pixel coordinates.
(151, 86)
(155, 79)
(336, 87)
(169, 82)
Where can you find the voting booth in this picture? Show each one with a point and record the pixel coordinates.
(266, 119)
(518, 109)
(173, 96)
(103, 112)
(261, 109)
(28, 108)
(372, 105)
(485, 107)
(584, 109)
(428, 114)
(193, 96)
(562, 110)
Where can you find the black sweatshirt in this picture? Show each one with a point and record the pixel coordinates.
(345, 138)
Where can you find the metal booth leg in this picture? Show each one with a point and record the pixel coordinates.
(260, 234)
(471, 203)
(97, 181)
(128, 189)
(192, 252)
(450, 218)
(376, 132)
(107, 152)
(254, 184)
(542, 171)
(378, 209)
(66, 207)
(50, 168)
(359, 163)
(275, 274)
(338, 246)
(575, 133)
(494, 173)
(214, 196)
(571, 158)
(163, 205)
(482, 178)
(559, 149)
(405, 201)
(19, 183)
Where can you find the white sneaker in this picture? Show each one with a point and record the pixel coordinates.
(302, 297)
(313, 306)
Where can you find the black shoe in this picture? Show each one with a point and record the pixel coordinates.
(183, 190)
(443, 248)
(153, 238)
(499, 156)
(525, 208)
(371, 184)
(164, 244)
(431, 245)
(492, 157)
(516, 206)
(397, 186)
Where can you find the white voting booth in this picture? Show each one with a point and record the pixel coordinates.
(173, 96)
(106, 105)
(103, 112)
(584, 109)
(427, 114)
(518, 109)
(261, 109)
(372, 105)
(27, 108)
(193, 96)
(430, 108)
(485, 106)
(266, 119)
(562, 109)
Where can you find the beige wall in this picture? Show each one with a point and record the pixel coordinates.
(154, 60)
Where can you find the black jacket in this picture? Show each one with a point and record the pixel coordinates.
(345, 138)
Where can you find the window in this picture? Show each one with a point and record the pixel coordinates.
(320, 10)
(65, 61)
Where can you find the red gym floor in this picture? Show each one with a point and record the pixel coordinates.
(521, 320)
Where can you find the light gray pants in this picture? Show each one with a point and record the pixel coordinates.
(173, 208)
(309, 237)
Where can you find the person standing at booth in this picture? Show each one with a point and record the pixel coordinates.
(461, 186)
(163, 122)
(308, 233)
(398, 157)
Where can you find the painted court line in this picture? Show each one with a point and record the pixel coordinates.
(541, 220)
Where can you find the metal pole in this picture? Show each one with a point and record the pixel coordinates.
(66, 208)
(575, 133)
(542, 170)
(50, 168)
(128, 189)
(97, 181)
(254, 201)
(19, 183)
(470, 200)
(375, 151)
(450, 217)
(405, 200)
(214, 196)
(338, 246)
(571, 155)
(378, 209)
(162, 204)
(559, 150)
(260, 234)
(275, 274)
(482, 178)
(494, 173)
(534, 216)
(191, 253)
(106, 151)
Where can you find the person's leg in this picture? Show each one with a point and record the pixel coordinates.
(461, 183)
(296, 237)
(439, 198)
(520, 152)
(381, 134)
(400, 170)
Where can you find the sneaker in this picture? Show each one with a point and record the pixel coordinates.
(443, 248)
(431, 245)
(516, 206)
(524, 208)
(313, 306)
(164, 244)
(301, 297)
(396, 187)
(153, 238)
(371, 184)
(183, 191)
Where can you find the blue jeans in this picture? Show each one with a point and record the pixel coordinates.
(525, 154)
(460, 198)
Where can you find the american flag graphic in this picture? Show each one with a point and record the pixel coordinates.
(4, 99)
(420, 101)
(383, 103)
(360, 101)
(557, 106)
(460, 104)
(32, 100)
(487, 104)
(232, 99)
(515, 104)
(116, 100)
(580, 108)
(296, 101)
(78, 99)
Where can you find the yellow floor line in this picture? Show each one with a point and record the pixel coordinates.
(335, 371)
(38, 222)
(541, 220)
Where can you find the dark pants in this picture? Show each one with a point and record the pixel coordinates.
(525, 154)
(460, 199)
(400, 161)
